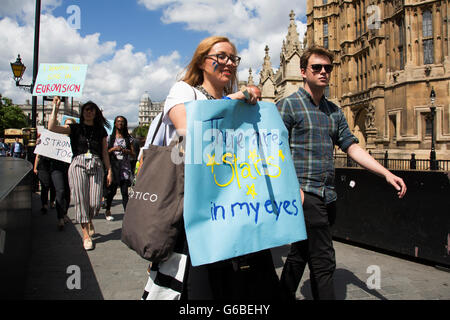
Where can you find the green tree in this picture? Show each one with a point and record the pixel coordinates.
(11, 116)
(140, 131)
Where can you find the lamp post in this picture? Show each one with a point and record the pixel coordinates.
(433, 162)
(18, 69)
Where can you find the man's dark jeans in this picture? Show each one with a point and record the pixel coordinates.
(317, 251)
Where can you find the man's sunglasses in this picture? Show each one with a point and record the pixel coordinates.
(318, 67)
(222, 58)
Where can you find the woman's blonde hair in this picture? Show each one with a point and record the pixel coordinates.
(194, 75)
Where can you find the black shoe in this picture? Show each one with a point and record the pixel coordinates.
(43, 210)
(61, 224)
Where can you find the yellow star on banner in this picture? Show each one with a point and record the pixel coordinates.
(253, 155)
(280, 154)
(251, 191)
(212, 162)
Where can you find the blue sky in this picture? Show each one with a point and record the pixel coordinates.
(129, 22)
(137, 46)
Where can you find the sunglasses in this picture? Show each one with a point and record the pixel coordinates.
(222, 58)
(318, 67)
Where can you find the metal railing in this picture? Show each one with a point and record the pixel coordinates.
(344, 161)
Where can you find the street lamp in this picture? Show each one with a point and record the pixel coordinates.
(433, 162)
(18, 69)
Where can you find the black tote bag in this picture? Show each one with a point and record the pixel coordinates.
(154, 212)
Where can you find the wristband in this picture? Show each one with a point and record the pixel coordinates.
(226, 98)
(246, 94)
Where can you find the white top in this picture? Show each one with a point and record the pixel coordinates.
(180, 92)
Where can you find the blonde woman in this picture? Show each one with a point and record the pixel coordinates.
(211, 74)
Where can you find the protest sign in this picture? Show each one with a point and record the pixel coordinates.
(54, 145)
(60, 79)
(241, 190)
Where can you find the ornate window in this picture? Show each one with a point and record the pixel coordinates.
(325, 34)
(401, 42)
(427, 34)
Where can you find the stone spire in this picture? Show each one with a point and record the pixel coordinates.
(250, 77)
(292, 42)
(266, 70)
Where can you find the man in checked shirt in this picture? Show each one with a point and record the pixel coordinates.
(315, 126)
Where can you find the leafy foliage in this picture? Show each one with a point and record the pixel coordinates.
(11, 116)
(140, 131)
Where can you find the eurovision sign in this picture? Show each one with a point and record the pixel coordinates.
(60, 79)
(241, 190)
(54, 145)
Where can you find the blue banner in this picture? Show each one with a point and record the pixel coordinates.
(241, 190)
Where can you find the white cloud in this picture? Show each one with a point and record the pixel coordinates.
(116, 78)
(251, 24)
(24, 10)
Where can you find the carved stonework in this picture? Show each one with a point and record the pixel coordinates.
(370, 117)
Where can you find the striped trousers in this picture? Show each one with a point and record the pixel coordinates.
(86, 185)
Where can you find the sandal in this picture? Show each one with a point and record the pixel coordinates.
(87, 244)
(91, 229)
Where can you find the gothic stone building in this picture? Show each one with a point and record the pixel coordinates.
(388, 57)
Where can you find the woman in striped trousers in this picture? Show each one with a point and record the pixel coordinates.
(90, 155)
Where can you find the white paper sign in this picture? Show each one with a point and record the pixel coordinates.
(54, 145)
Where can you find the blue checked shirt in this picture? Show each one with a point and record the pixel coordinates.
(313, 133)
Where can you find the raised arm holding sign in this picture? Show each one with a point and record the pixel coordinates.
(90, 156)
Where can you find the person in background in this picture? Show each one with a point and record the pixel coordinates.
(3, 148)
(255, 90)
(42, 168)
(90, 157)
(17, 149)
(315, 126)
(120, 149)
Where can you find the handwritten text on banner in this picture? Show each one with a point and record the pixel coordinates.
(62, 79)
(54, 145)
(241, 190)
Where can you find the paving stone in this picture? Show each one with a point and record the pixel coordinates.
(112, 271)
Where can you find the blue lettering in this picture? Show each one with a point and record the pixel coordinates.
(266, 204)
(286, 205)
(296, 209)
(256, 211)
(240, 207)
(278, 208)
(214, 212)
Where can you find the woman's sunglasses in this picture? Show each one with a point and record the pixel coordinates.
(318, 67)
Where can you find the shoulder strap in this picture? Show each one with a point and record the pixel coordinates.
(157, 128)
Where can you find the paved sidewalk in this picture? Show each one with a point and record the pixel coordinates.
(113, 272)
(110, 272)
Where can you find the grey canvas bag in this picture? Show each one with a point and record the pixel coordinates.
(154, 212)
